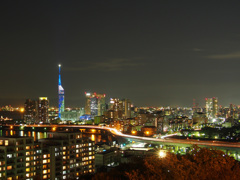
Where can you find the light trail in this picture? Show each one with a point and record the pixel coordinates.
(118, 133)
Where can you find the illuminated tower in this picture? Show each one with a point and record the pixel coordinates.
(60, 95)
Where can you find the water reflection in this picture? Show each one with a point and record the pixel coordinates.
(35, 134)
(40, 135)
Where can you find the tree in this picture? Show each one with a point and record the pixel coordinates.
(200, 164)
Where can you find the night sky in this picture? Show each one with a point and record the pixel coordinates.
(155, 53)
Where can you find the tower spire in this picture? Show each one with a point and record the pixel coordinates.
(59, 77)
(60, 94)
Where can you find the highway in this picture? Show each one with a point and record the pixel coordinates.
(164, 140)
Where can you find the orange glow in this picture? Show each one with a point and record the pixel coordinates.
(21, 109)
(134, 132)
(11, 127)
(54, 129)
(93, 130)
(93, 137)
(147, 132)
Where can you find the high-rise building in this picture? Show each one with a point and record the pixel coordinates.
(126, 107)
(30, 111)
(60, 94)
(120, 108)
(43, 105)
(95, 104)
(116, 109)
(211, 107)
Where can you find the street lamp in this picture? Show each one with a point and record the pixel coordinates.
(162, 154)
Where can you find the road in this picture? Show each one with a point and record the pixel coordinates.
(165, 140)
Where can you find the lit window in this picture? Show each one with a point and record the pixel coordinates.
(44, 171)
(27, 169)
(6, 142)
(9, 167)
(27, 147)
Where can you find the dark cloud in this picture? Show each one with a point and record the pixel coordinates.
(115, 64)
(232, 55)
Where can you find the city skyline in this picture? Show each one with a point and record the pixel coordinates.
(155, 53)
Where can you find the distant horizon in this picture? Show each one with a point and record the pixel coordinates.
(53, 103)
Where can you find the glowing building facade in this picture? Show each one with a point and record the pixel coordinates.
(211, 107)
(60, 94)
(95, 104)
(43, 106)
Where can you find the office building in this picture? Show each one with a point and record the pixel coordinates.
(126, 107)
(211, 107)
(72, 114)
(116, 109)
(95, 104)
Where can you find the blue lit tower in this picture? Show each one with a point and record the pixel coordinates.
(60, 95)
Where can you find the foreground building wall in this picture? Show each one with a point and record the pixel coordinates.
(63, 155)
